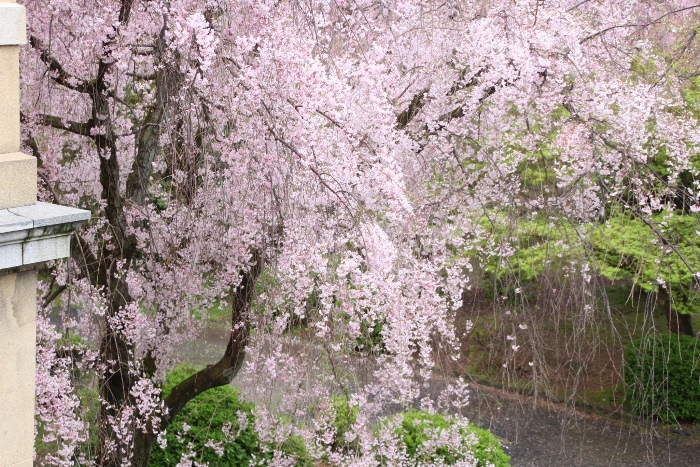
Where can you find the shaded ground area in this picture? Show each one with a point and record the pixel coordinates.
(543, 434)
(546, 434)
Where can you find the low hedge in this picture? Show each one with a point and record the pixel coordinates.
(662, 377)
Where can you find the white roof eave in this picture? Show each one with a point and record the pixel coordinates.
(37, 233)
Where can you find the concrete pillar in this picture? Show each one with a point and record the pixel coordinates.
(12, 35)
(30, 233)
(17, 350)
(18, 290)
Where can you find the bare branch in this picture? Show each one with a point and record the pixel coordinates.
(223, 371)
(634, 25)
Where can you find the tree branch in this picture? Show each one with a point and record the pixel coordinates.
(632, 25)
(414, 107)
(223, 371)
(418, 100)
(78, 128)
(54, 295)
(56, 71)
(148, 136)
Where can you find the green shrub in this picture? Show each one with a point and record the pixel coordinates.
(370, 340)
(345, 418)
(488, 449)
(419, 427)
(662, 377)
(207, 417)
(295, 447)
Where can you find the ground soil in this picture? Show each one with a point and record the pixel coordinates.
(538, 433)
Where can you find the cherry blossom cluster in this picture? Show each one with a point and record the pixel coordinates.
(361, 153)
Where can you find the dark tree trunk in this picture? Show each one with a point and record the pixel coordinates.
(219, 374)
(678, 323)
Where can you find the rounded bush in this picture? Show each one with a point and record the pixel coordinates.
(217, 428)
(662, 377)
(420, 429)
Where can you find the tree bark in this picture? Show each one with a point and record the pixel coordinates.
(219, 374)
(678, 323)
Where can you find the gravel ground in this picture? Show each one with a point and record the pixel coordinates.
(543, 434)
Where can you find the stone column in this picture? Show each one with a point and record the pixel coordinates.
(30, 233)
(17, 338)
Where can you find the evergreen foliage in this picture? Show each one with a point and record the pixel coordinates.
(218, 420)
(418, 430)
(662, 376)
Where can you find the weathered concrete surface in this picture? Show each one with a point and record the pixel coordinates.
(17, 178)
(37, 233)
(12, 24)
(17, 367)
(9, 99)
